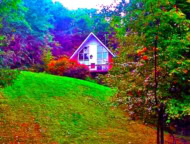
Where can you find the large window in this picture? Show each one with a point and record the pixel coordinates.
(102, 55)
(102, 58)
(84, 56)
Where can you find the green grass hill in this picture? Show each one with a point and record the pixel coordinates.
(54, 109)
(45, 109)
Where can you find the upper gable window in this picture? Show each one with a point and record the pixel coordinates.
(84, 55)
(101, 49)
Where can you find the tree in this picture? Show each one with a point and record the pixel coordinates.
(7, 9)
(25, 26)
(39, 17)
(73, 26)
(184, 6)
(153, 74)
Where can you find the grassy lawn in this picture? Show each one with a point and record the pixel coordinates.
(54, 109)
(42, 108)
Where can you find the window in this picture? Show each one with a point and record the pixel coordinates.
(80, 57)
(102, 55)
(84, 56)
(86, 50)
(99, 56)
(99, 61)
(99, 49)
(105, 55)
(104, 50)
(86, 62)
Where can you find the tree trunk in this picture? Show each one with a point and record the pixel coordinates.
(158, 127)
(155, 89)
(162, 122)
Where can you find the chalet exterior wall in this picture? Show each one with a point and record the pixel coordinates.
(94, 54)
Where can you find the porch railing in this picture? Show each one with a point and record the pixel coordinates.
(98, 67)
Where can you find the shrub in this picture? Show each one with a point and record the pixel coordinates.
(46, 57)
(90, 79)
(45, 60)
(66, 67)
(36, 68)
(7, 76)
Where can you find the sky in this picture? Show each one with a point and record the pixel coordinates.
(74, 4)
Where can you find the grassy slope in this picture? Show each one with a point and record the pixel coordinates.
(63, 109)
(41, 108)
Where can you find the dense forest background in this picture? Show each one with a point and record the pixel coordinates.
(30, 25)
(151, 39)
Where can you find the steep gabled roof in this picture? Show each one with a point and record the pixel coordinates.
(91, 34)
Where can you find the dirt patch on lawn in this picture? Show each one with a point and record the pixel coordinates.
(18, 126)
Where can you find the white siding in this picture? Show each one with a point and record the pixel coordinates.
(93, 45)
(93, 52)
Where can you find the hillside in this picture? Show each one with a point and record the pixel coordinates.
(58, 108)
(42, 108)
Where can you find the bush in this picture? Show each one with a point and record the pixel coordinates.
(90, 79)
(7, 76)
(66, 67)
(45, 60)
(36, 68)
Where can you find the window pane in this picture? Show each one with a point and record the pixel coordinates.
(86, 62)
(104, 50)
(81, 51)
(86, 50)
(99, 55)
(105, 55)
(105, 61)
(99, 62)
(86, 57)
(99, 49)
(80, 57)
